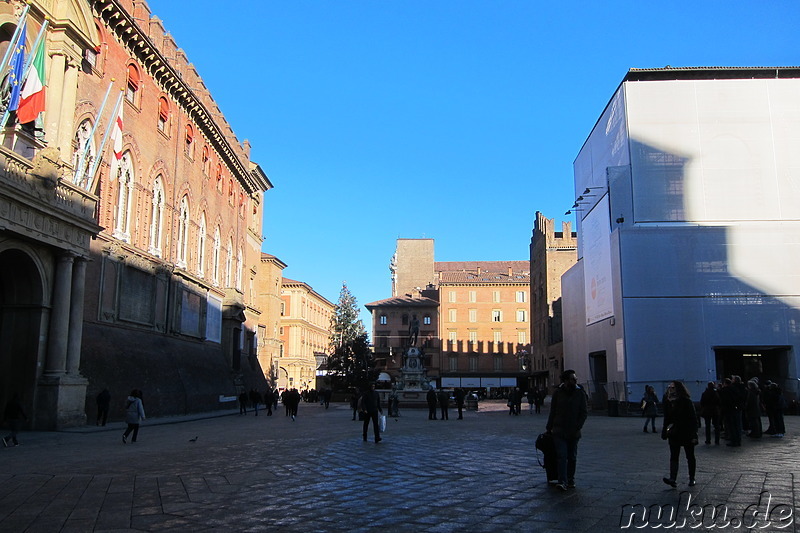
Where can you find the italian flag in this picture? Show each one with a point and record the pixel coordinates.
(32, 97)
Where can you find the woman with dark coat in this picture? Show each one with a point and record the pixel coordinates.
(650, 407)
(710, 411)
(752, 409)
(680, 429)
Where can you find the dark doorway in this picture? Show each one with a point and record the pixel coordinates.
(598, 397)
(763, 362)
(20, 320)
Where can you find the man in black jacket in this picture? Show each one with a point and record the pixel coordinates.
(431, 399)
(568, 411)
(371, 405)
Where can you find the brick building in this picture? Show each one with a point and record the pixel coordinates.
(552, 254)
(479, 329)
(138, 270)
(305, 332)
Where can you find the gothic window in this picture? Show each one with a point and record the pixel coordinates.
(201, 246)
(215, 257)
(84, 153)
(188, 141)
(183, 231)
(239, 268)
(229, 264)
(132, 87)
(206, 160)
(157, 218)
(163, 115)
(122, 214)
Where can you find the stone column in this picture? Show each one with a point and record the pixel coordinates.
(54, 101)
(58, 335)
(66, 121)
(76, 317)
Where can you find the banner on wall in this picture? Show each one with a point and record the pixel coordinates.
(596, 233)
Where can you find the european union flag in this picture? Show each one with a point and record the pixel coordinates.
(17, 65)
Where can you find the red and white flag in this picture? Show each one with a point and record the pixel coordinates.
(116, 135)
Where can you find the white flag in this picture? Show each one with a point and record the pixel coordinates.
(117, 133)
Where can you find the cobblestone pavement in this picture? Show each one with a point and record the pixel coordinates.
(246, 473)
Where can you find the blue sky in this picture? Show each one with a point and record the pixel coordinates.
(451, 120)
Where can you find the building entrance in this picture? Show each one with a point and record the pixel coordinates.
(598, 396)
(763, 362)
(21, 312)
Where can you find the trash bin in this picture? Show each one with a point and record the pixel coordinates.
(613, 407)
(472, 402)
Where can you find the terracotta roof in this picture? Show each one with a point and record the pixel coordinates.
(523, 267)
(403, 301)
(484, 277)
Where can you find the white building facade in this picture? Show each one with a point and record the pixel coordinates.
(688, 211)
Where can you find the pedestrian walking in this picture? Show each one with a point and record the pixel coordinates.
(354, 403)
(14, 416)
(649, 407)
(243, 403)
(568, 411)
(103, 401)
(539, 400)
(732, 405)
(134, 414)
(268, 401)
(370, 405)
(255, 399)
(680, 430)
(531, 396)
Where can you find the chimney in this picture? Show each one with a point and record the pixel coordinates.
(509, 272)
(479, 271)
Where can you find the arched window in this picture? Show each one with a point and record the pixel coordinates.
(215, 257)
(122, 214)
(132, 87)
(229, 264)
(239, 268)
(201, 246)
(163, 114)
(83, 153)
(188, 141)
(183, 232)
(157, 218)
(218, 174)
(231, 199)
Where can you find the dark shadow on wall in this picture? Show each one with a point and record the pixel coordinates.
(664, 259)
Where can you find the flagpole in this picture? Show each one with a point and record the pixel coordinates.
(96, 162)
(85, 148)
(13, 41)
(29, 60)
(25, 70)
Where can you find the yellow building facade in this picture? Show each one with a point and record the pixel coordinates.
(305, 327)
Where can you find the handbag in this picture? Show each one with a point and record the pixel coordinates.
(382, 423)
(362, 415)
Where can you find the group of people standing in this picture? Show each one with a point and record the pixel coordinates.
(442, 399)
(730, 408)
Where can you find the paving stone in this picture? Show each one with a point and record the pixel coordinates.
(317, 475)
